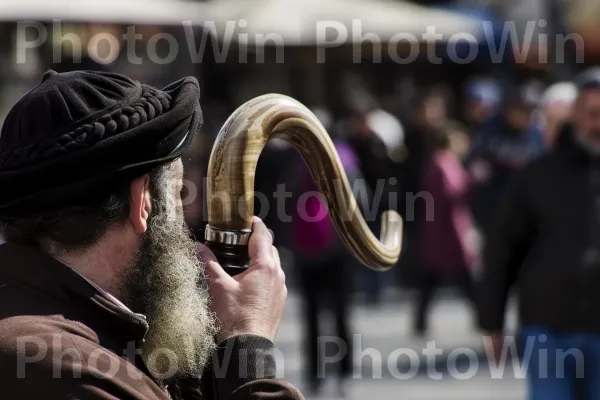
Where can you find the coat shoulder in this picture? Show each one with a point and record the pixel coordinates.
(32, 315)
(541, 166)
(43, 357)
(50, 356)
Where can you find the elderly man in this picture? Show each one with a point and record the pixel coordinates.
(102, 292)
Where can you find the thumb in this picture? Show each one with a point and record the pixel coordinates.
(212, 268)
(261, 241)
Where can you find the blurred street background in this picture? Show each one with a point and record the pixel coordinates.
(386, 330)
(433, 107)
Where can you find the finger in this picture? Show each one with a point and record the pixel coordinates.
(278, 263)
(261, 241)
(212, 267)
(276, 255)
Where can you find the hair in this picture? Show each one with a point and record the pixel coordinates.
(430, 93)
(437, 139)
(588, 79)
(75, 228)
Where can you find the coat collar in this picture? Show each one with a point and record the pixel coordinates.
(26, 266)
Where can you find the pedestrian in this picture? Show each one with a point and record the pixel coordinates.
(502, 147)
(430, 115)
(546, 243)
(373, 144)
(325, 272)
(556, 109)
(447, 242)
(482, 98)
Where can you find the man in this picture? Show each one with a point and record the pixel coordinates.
(547, 242)
(376, 167)
(556, 110)
(499, 150)
(482, 98)
(101, 289)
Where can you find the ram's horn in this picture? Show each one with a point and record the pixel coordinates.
(230, 183)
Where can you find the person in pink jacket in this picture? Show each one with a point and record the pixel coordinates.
(446, 239)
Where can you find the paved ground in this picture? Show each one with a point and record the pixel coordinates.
(406, 372)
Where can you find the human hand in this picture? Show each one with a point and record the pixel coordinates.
(251, 302)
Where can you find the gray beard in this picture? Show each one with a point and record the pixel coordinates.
(165, 286)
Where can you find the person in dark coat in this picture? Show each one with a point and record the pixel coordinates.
(430, 115)
(482, 98)
(103, 294)
(325, 272)
(376, 168)
(502, 147)
(546, 243)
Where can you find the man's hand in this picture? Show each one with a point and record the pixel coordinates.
(251, 302)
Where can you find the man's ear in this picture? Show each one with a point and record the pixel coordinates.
(140, 204)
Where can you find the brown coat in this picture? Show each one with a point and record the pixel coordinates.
(61, 338)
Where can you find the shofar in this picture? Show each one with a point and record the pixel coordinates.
(230, 183)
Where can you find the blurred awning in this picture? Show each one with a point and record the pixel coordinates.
(297, 22)
(583, 17)
(584, 12)
(157, 12)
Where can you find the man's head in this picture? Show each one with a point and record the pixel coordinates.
(556, 109)
(483, 98)
(432, 108)
(519, 105)
(114, 214)
(587, 107)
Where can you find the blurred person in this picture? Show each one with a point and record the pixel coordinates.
(390, 131)
(483, 97)
(269, 177)
(192, 194)
(429, 114)
(192, 198)
(556, 110)
(504, 146)
(371, 134)
(374, 135)
(325, 271)
(546, 243)
(101, 283)
(447, 238)
(460, 141)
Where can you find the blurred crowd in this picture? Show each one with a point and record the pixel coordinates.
(447, 174)
(447, 161)
(496, 175)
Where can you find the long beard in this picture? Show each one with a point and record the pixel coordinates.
(166, 287)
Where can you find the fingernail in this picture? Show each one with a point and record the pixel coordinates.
(272, 234)
(256, 219)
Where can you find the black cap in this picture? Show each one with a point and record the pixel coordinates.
(589, 79)
(77, 133)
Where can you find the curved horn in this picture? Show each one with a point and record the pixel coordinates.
(232, 167)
